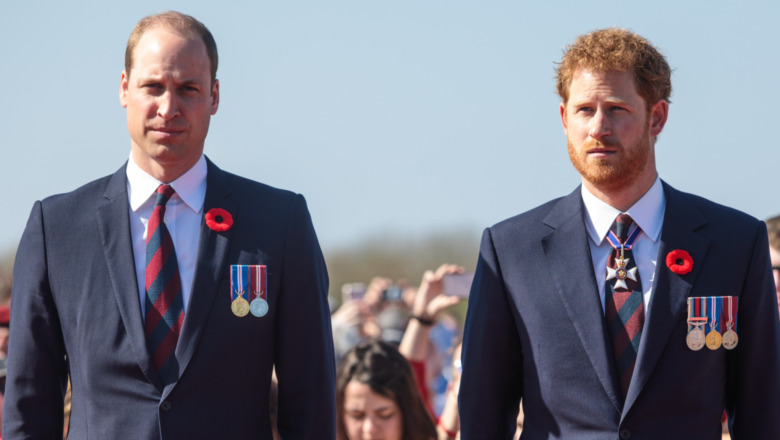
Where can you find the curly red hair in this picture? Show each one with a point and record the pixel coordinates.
(614, 49)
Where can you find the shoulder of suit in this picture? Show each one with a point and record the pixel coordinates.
(530, 218)
(251, 188)
(712, 211)
(85, 194)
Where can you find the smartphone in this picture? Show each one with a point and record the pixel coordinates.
(393, 294)
(457, 284)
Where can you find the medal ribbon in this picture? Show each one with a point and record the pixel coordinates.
(258, 281)
(613, 239)
(238, 281)
(731, 305)
(697, 315)
(690, 308)
(702, 307)
(715, 306)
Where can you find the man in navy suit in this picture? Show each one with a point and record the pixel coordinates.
(580, 307)
(127, 284)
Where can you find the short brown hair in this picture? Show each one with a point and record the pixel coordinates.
(619, 50)
(184, 24)
(773, 229)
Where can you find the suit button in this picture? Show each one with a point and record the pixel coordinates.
(166, 406)
(625, 434)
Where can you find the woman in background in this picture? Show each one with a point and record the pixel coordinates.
(376, 397)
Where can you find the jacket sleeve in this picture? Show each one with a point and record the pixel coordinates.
(37, 374)
(304, 358)
(491, 384)
(753, 383)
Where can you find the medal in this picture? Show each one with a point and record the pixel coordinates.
(620, 272)
(696, 322)
(713, 337)
(238, 284)
(240, 307)
(713, 340)
(695, 338)
(259, 305)
(730, 338)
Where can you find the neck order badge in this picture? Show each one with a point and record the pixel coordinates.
(623, 301)
(248, 281)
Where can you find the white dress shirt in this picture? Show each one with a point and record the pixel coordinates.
(183, 217)
(648, 214)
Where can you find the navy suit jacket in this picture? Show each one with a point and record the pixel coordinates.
(535, 330)
(76, 310)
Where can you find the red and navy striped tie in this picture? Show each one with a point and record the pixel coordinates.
(164, 303)
(623, 300)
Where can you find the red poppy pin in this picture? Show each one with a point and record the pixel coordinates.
(679, 261)
(218, 219)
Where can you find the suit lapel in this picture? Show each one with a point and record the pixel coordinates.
(114, 229)
(212, 256)
(670, 291)
(568, 255)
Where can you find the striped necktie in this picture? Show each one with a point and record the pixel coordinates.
(164, 303)
(623, 300)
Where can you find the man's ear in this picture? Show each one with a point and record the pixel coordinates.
(123, 89)
(562, 110)
(658, 114)
(215, 97)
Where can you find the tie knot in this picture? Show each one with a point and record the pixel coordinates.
(164, 193)
(623, 224)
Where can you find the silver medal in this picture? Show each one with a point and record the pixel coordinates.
(258, 307)
(730, 339)
(696, 339)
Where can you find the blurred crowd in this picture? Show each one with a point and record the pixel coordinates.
(398, 349)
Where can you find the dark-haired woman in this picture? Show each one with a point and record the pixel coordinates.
(377, 398)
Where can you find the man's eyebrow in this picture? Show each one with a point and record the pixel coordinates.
(608, 100)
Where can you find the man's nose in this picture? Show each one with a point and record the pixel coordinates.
(167, 107)
(600, 125)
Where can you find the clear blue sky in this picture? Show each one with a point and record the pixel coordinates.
(400, 117)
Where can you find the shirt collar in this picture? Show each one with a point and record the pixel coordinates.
(190, 187)
(647, 213)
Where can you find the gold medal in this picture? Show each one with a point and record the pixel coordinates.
(713, 340)
(238, 284)
(240, 307)
(730, 339)
(713, 337)
(695, 339)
